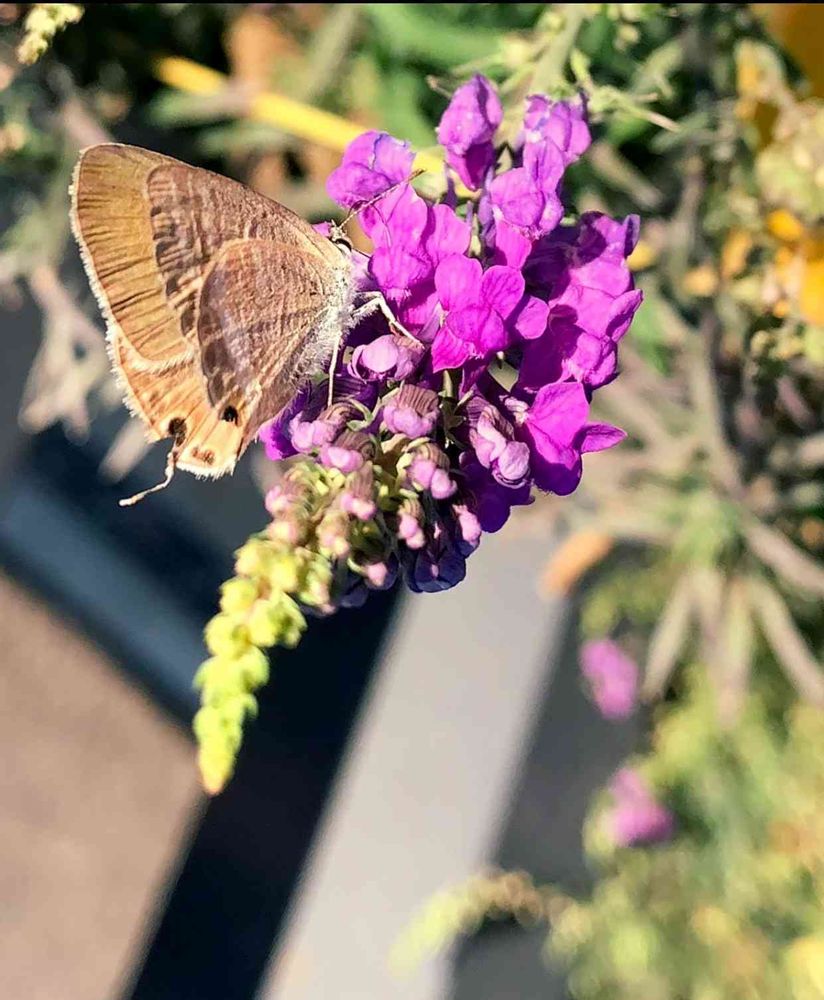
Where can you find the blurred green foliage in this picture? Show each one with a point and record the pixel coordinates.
(731, 907)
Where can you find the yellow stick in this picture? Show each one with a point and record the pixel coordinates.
(301, 120)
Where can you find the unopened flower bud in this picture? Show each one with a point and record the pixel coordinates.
(348, 451)
(413, 411)
(225, 636)
(410, 523)
(238, 595)
(358, 499)
(429, 470)
(333, 534)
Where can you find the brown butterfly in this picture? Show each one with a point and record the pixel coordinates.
(218, 301)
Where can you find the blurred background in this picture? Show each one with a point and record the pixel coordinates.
(594, 770)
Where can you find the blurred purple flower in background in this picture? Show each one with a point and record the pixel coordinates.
(612, 677)
(636, 817)
(433, 448)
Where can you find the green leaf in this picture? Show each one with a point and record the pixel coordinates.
(413, 31)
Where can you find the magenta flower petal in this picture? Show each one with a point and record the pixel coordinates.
(636, 817)
(517, 200)
(530, 318)
(467, 128)
(400, 218)
(621, 313)
(396, 270)
(599, 437)
(372, 163)
(458, 279)
(445, 233)
(448, 350)
(480, 327)
(502, 288)
(545, 164)
(564, 123)
(510, 246)
(563, 407)
(551, 428)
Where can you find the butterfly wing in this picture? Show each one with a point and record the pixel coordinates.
(173, 403)
(162, 244)
(267, 314)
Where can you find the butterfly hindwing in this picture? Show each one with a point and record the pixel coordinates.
(217, 300)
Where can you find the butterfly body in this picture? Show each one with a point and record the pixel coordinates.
(218, 301)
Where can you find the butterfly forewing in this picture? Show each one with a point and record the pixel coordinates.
(217, 299)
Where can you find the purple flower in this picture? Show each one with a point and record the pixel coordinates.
(309, 434)
(358, 497)
(381, 575)
(467, 128)
(526, 198)
(438, 565)
(591, 301)
(429, 471)
(556, 428)
(445, 466)
(411, 239)
(275, 434)
(493, 438)
(469, 526)
(493, 502)
(524, 203)
(372, 163)
(348, 451)
(387, 357)
(636, 817)
(410, 523)
(485, 310)
(562, 123)
(569, 349)
(413, 411)
(612, 677)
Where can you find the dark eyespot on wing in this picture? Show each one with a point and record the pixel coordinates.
(177, 428)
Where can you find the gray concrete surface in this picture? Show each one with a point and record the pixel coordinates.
(421, 797)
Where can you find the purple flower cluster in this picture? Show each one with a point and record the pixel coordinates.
(421, 427)
(612, 677)
(636, 817)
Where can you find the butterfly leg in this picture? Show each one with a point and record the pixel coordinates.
(375, 302)
(333, 364)
(171, 465)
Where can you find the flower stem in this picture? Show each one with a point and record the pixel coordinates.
(549, 70)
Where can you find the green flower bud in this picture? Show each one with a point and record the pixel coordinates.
(254, 670)
(238, 595)
(333, 534)
(225, 636)
(264, 623)
(293, 623)
(317, 583)
(284, 572)
(253, 558)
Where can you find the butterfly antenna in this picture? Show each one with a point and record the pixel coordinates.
(373, 201)
(171, 466)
